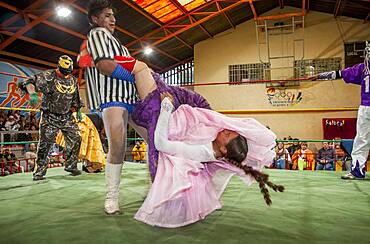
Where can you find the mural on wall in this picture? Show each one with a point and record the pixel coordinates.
(283, 98)
(10, 95)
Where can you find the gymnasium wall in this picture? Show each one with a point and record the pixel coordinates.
(11, 96)
(324, 38)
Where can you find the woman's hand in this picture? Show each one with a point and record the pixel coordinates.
(168, 95)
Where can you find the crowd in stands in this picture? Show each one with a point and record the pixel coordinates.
(8, 162)
(298, 156)
(294, 155)
(139, 152)
(13, 120)
(16, 126)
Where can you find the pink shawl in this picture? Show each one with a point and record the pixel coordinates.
(185, 191)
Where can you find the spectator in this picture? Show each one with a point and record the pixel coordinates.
(137, 152)
(11, 164)
(23, 121)
(16, 126)
(303, 158)
(26, 136)
(282, 156)
(341, 156)
(34, 134)
(10, 123)
(16, 115)
(35, 122)
(294, 147)
(31, 156)
(2, 123)
(56, 159)
(325, 157)
(143, 151)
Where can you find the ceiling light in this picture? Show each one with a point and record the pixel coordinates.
(63, 11)
(148, 51)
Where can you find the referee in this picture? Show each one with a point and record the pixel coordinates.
(110, 89)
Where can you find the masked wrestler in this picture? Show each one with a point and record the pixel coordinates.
(60, 94)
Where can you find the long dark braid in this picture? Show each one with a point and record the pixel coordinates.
(237, 150)
(262, 179)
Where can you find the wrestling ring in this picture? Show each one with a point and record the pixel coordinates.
(316, 207)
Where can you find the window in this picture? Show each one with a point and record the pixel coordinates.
(239, 72)
(309, 67)
(353, 53)
(180, 75)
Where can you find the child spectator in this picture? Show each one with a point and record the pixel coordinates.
(282, 156)
(303, 158)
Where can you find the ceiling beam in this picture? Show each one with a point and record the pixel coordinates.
(46, 22)
(255, 15)
(338, 5)
(191, 18)
(27, 27)
(171, 24)
(208, 16)
(29, 59)
(281, 4)
(145, 14)
(64, 29)
(226, 16)
(10, 28)
(9, 60)
(43, 44)
(285, 15)
(23, 30)
(308, 6)
(19, 13)
(127, 33)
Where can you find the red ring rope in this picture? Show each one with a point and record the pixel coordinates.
(213, 83)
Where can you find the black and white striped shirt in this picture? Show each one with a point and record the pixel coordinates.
(101, 44)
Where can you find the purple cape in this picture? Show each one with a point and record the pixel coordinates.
(146, 113)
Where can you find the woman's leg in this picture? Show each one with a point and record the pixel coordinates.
(145, 83)
(115, 124)
(143, 74)
(143, 133)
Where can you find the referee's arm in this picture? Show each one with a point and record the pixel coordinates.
(106, 66)
(98, 43)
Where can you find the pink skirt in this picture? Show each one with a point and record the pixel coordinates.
(186, 191)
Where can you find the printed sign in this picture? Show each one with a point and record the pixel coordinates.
(283, 98)
(344, 128)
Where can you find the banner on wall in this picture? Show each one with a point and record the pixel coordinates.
(344, 128)
(283, 98)
(10, 95)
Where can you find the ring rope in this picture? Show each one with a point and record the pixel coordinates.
(21, 109)
(9, 74)
(215, 83)
(251, 82)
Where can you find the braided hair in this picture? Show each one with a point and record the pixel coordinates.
(237, 150)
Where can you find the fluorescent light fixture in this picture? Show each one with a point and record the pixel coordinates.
(63, 11)
(148, 51)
